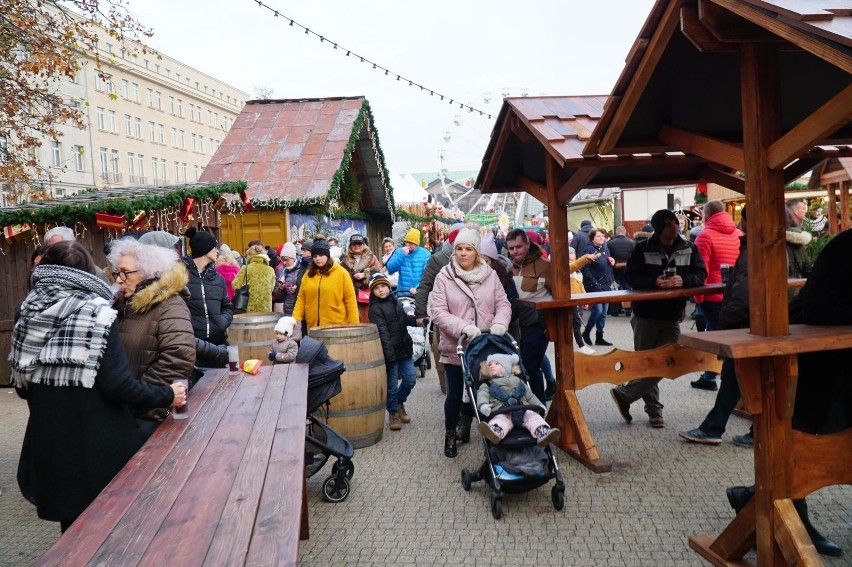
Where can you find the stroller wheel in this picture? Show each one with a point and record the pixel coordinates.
(423, 370)
(335, 489)
(496, 506)
(350, 468)
(558, 498)
(466, 480)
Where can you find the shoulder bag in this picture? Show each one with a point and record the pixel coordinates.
(241, 297)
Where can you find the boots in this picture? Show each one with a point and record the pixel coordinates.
(822, 544)
(403, 416)
(587, 335)
(600, 341)
(450, 449)
(463, 428)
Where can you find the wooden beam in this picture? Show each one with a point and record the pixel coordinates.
(826, 120)
(696, 32)
(730, 28)
(499, 148)
(799, 167)
(643, 73)
(725, 179)
(575, 183)
(711, 149)
(529, 186)
(520, 130)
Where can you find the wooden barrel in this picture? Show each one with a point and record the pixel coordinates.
(358, 411)
(253, 334)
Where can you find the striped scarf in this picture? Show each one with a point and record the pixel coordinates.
(62, 331)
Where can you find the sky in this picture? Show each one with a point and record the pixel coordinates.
(473, 51)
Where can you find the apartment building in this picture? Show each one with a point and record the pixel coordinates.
(152, 121)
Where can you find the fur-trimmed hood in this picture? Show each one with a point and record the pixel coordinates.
(170, 284)
(798, 237)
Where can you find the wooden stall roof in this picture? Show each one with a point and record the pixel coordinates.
(679, 89)
(843, 165)
(296, 151)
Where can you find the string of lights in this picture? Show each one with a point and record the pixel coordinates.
(361, 59)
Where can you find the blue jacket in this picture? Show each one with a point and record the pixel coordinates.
(410, 267)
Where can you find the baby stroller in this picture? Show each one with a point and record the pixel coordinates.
(422, 348)
(517, 464)
(321, 441)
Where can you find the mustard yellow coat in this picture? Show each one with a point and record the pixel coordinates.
(327, 300)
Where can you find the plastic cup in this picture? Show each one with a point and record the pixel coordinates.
(725, 269)
(182, 412)
(671, 272)
(233, 358)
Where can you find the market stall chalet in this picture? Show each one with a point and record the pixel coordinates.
(97, 217)
(311, 156)
(774, 100)
(835, 175)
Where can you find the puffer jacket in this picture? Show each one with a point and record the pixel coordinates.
(649, 261)
(157, 336)
(534, 274)
(288, 276)
(436, 261)
(228, 273)
(507, 383)
(285, 351)
(260, 279)
(453, 306)
(390, 319)
(410, 267)
(326, 300)
(209, 306)
(718, 243)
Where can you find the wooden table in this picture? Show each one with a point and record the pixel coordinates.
(224, 487)
(788, 464)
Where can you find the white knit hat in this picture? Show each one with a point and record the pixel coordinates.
(288, 250)
(488, 248)
(467, 236)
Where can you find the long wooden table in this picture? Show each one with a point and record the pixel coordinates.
(224, 487)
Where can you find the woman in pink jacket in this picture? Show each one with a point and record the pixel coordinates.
(467, 298)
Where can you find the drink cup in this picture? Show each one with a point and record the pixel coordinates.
(671, 272)
(726, 272)
(182, 412)
(233, 358)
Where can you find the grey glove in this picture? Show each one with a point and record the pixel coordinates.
(485, 409)
(498, 329)
(471, 331)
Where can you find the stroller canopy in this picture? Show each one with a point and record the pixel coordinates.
(323, 372)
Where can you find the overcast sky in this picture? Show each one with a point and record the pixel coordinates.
(473, 51)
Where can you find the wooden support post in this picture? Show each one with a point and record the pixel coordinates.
(845, 220)
(832, 209)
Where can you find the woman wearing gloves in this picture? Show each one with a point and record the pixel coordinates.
(467, 298)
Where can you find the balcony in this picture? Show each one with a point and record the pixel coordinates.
(110, 177)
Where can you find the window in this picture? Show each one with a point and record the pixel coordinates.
(77, 156)
(191, 111)
(125, 89)
(194, 142)
(159, 100)
(73, 78)
(99, 82)
(146, 63)
(195, 168)
(174, 137)
(171, 105)
(128, 130)
(161, 133)
(156, 67)
(111, 117)
(56, 153)
(104, 164)
(137, 127)
(215, 119)
(180, 108)
(115, 176)
(155, 164)
(110, 88)
(134, 92)
(130, 168)
(163, 170)
(150, 93)
(168, 73)
(201, 143)
(177, 172)
(109, 48)
(152, 132)
(183, 172)
(99, 113)
(210, 118)
(140, 161)
(181, 139)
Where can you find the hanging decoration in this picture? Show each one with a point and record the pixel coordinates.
(140, 221)
(247, 204)
(16, 232)
(220, 204)
(110, 221)
(186, 208)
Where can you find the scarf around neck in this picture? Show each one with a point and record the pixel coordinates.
(472, 277)
(62, 331)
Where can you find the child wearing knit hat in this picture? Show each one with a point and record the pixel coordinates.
(500, 387)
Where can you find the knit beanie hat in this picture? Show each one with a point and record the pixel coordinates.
(288, 250)
(379, 278)
(412, 236)
(507, 361)
(487, 247)
(467, 236)
(160, 238)
(586, 223)
(200, 242)
(308, 245)
(320, 248)
(454, 230)
(663, 218)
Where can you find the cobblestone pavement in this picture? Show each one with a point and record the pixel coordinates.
(407, 506)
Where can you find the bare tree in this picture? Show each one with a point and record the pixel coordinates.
(263, 93)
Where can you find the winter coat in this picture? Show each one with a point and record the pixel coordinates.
(576, 265)
(718, 243)
(260, 279)
(534, 273)
(507, 383)
(366, 263)
(581, 239)
(641, 236)
(390, 319)
(597, 275)
(77, 438)
(620, 248)
(410, 267)
(285, 351)
(438, 260)
(326, 299)
(288, 276)
(157, 336)
(798, 263)
(649, 261)
(209, 307)
(734, 314)
(453, 306)
(228, 273)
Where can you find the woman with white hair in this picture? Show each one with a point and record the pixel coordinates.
(155, 325)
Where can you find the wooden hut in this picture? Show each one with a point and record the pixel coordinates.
(315, 156)
(835, 175)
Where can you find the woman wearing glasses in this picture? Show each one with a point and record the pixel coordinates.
(154, 320)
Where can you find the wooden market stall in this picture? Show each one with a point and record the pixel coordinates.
(774, 100)
(835, 175)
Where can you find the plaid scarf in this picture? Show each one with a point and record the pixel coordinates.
(62, 331)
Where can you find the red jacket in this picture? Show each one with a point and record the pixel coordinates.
(718, 243)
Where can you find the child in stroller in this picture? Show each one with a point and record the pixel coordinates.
(499, 387)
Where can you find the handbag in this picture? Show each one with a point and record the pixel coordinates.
(241, 297)
(363, 296)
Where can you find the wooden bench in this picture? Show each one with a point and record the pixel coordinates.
(224, 487)
(788, 464)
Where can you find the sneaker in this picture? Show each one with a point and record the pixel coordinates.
(394, 424)
(746, 440)
(546, 435)
(698, 436)
(550, 391)
(703, 384)
(400, 412)
(623, 407)
(656, 421)
(492, 434)
(586, 350)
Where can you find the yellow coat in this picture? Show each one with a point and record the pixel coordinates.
(326, 300)
(576, 266)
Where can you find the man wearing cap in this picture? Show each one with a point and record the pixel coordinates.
(410, 261)
(664, 261)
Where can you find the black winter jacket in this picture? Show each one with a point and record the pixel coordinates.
(209, 307)
(648, 262)
(620, 247)
(437, 261)
(734, 314)
(392, 321)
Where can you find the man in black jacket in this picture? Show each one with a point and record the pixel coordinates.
(620, 248)
(664, 261)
